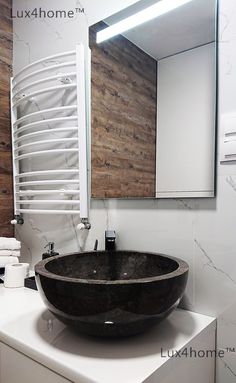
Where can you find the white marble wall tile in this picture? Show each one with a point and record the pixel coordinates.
(226, 368)
(215, 245)
(38, 38)
(226, 333)
(151, 226)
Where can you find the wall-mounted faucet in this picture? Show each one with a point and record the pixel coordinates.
(110, 240)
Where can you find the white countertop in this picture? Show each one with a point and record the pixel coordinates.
(27, 326)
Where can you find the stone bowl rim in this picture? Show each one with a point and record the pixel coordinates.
(40, 268)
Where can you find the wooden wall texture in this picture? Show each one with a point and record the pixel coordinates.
(6, 197)
(124, 102)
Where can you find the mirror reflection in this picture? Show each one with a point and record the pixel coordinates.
(154, 101)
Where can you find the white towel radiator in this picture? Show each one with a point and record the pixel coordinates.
(50, 120)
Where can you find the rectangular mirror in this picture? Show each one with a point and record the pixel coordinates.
(154, 101)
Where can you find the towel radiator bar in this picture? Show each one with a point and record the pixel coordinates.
(50, 133)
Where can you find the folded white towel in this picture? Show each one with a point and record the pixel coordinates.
(8, 260)
(9, 244)
(9, 253)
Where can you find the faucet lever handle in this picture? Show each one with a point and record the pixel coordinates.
(110, 234)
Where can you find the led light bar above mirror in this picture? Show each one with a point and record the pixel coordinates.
(141, 17)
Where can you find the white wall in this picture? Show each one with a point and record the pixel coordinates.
(185, 147)
(38, 38)
(200, 231)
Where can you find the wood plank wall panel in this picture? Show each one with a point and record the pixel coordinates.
(124, 93)
(6, 48)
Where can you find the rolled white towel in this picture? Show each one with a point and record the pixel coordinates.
(9, 253)
(7, 261)
(9, 244)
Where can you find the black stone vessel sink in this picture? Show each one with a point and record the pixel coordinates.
(112, 294)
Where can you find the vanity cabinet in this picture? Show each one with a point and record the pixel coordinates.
(31, 351)
(18, 368)
(194, 363)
